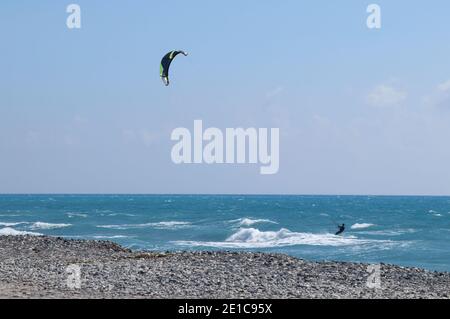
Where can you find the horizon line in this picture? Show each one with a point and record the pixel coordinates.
(220, 194)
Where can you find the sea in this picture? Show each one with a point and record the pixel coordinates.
(407, 231)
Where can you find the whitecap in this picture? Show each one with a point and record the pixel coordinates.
(81, 215)
(12, 224)
(120, 214)
(10, 215)
(254, 238)
(110, 237)
(170, 224)
(361, 226)
(12, 232)
(390, 232)
(42, 225)
(250, 221)
(158, 225)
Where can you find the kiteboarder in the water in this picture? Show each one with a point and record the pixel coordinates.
(341, 229)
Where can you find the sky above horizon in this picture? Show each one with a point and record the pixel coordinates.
(360, 111)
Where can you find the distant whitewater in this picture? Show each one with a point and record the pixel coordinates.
(12, 232)
(254, 238)
(251, 221)
(158, 225)
(42, 225)
(361, 226)
(409, 231)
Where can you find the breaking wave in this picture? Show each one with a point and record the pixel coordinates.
(110, 237)
(254, 238)
(390, 232)
(12, 232)
(361, 226)
(158, 225)
(244, 222)
(48, 226)
(11, 224)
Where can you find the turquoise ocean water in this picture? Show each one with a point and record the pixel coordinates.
(409, 231)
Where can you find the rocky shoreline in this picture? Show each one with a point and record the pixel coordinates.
(48, 267)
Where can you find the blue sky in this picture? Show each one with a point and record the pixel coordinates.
(360, 111)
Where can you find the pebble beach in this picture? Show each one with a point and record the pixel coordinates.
(46, 267)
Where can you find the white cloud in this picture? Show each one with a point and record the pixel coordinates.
(444, 87)
(385, 96)
(440, 97)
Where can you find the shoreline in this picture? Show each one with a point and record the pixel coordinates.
(46, 267)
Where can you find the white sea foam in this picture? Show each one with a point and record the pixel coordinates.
(389, 232)
(116, 226)
(42, 225)
(109, 237)
(11, 224)
(171, 224)
(254, 238)
(10, 215)
(12, 232)
(103, 211)
(119, 214)
(72, 215)
(361, 226)
(244, 222)
(435, 213)
(158, 225)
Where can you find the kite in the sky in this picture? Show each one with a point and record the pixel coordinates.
(165, 65)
